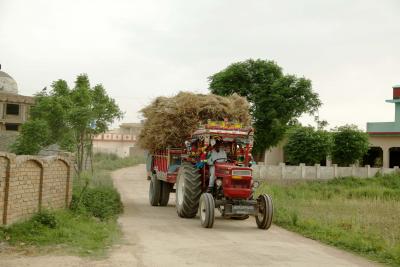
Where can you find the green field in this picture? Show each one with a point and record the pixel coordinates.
(359, 215)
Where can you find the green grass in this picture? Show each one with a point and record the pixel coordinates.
(74, 233)
(359, 215)
(90, 227)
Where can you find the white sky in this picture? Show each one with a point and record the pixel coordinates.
(141, 49)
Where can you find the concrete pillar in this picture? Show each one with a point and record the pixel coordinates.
(397, 112)
(335, 170)
(317, 171)
(282, 165)
(328, 161)
(368, 170)
(386, 157)
(303, 170)
(353, 170)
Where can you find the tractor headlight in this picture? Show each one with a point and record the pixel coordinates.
(255, 184)
(218, 182)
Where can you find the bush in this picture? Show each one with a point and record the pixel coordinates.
(101, 202)
(45, 218)
(349, 145)
(307, 145)
(34, 135)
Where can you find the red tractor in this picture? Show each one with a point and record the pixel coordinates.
(188, 168)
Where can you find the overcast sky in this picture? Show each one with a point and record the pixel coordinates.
(141, 49)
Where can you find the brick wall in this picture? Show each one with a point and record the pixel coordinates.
(30, 183)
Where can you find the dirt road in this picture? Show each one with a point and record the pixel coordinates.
(156, 236)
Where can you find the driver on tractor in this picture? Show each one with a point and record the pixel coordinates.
(216, 155)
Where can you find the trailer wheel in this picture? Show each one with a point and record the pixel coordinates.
(265, 212)
(165, 190)
(154, 190)
(207, 208)
(188, 190)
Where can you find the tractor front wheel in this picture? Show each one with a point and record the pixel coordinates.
(207, 208)
(188, 190)
(154, 190)
(265, 212)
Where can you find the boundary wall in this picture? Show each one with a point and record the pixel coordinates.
(316, 172)
(31, 183)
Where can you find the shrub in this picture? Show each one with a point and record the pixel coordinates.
(307, 145)
(349, 145)
(45, 218)
(103, 202)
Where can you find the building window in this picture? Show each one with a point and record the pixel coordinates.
(12, 127)
(12, 109)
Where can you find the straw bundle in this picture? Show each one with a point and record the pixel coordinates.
(169, 121)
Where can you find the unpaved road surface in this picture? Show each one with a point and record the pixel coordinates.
(156, 236)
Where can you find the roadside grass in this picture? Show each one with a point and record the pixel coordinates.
(73, 233)
(359, 215)
(89, 227)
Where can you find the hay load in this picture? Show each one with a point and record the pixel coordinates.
(169, 121)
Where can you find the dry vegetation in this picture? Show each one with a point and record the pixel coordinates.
(360, 215)
(170, 120)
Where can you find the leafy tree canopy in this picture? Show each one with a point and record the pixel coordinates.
(68, 116)
(34, 135)
(307, 145)
(349, 145)
(277, 99)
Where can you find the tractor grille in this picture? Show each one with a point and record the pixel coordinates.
(241, 183)
(241, 172)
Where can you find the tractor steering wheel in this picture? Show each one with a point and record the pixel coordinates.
(219, 159)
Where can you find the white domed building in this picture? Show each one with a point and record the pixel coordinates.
(14, 109)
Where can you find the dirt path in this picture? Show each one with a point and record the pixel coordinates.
(156, 236)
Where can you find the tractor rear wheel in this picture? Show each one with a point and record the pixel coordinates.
(207, 208)
(265, 212)
(188, 190)
(154, 190)
(165, 190)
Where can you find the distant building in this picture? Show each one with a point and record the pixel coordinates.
(384, 138)
(14, 110)
(121, 141)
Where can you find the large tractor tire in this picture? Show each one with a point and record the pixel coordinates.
(165, 190)
(154, 190)
(265, 212)
(188, 190)
(207, 208)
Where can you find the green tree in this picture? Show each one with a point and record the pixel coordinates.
(277, 99)
(307, 145)
(72, 117)
(349, 145)
(34, 135)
